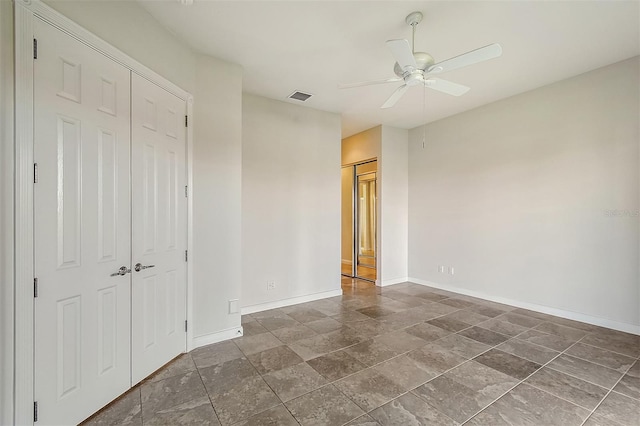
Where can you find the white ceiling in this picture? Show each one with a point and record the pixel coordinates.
(312, 46)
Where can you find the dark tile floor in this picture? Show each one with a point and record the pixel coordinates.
(399, 355)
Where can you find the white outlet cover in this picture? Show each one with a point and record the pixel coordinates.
(233, 306)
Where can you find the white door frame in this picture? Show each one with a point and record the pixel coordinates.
(26, 11)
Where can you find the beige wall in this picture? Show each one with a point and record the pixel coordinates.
(362, 146)
(517, 195)
(290, 201)
(6, 212)
(347, 215)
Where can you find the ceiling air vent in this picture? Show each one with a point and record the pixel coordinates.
(299, 96)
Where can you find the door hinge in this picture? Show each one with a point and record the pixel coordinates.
(186, 256)
(35, 411)
(35, 48)
(35, 287)
(186, 121)
(185, 326)
(35, 172)
(186, 191)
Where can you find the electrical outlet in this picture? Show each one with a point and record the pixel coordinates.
(441, 269)
(271, 285)
(451, 270)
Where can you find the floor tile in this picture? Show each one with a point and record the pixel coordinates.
(181, 365)
(561, 330)
(534, 314)
(410, 410)
(336, 365)
(369, 389)
(521, 320)
(294, 381)
(274, 359)
(253, 328)
(324, 407)
(305, 315)
(451, 398)
(466, 316)
(369, 328)
(220, 377)
(276, 416)
(349, 316)
(629, 386)
(246, 319)
(487, 311)
(342, 338)
(311, 347)
(613, 360)
(598, 420)
(620, 408)
(246, 398)
(433, 310)
(483, 335)
(526, 405)
(276, 323)
(217, 353)
(376, 312)
(567, 387)
(324, 325)
(530, 351)
(456, 303)
(271, 313)
(365, 420)
(435, 359)
(371, 352)
(586, 370)
(258, 343)
(449, 324)
(193, 412)
(405, 372)
(623, 343)
(400, 341)
(508, 364)
(462, 346)
(293, 334)
(174, 391)
(431, 297)
(126, 410)
(488, 382)
(551, 341)
(427, 332)
(502, 327)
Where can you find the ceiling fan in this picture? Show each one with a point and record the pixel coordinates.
(416, 68)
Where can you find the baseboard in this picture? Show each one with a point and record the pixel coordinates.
(288, 302)
(576, 316)
(394, 281)
(219, 336)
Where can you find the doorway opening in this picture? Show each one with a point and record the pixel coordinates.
(359, 221)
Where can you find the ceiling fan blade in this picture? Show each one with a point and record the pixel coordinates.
(395, 96)
(369, 83)
(447, 87)
(482, 54)
(402, 53)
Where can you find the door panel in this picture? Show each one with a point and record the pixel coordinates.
(159, 227)
(82, 228)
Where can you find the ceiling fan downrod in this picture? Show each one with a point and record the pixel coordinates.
(413, 19)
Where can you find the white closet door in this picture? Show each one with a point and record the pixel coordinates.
(82, 228)
(159, 227)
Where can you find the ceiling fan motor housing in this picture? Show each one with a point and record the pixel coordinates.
(423, 60)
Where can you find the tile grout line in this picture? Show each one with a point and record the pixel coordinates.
(608, 393)
(518, 384)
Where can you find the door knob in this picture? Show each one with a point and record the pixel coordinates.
(122, 271)
(139, 267)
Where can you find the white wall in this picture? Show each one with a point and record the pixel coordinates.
(515, 196)
(290, 200)
(6, 212)
(217, 174)
(393, 169)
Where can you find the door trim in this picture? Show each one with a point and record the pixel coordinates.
(25, 12)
